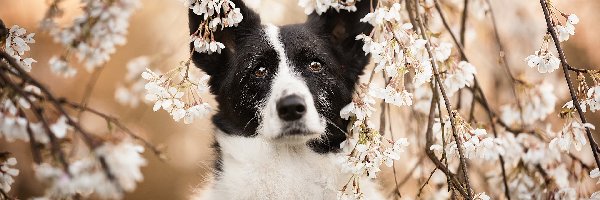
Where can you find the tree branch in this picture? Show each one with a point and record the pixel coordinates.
(565, 66)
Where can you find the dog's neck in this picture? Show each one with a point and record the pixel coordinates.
(258, 167)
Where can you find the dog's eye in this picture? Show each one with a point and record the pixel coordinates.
(260, 72)
(315, 66)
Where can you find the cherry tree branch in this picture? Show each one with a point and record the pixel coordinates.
(91, 142)
(565, 66)
(452, 180)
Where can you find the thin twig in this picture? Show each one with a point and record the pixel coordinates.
(463, 21)
(504, 61)
(426, 182)
(117, 123)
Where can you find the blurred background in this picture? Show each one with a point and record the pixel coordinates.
(159, 30)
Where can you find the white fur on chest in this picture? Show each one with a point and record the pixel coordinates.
(253, 168)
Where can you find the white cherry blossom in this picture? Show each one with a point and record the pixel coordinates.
(216, 14)
(572, 133)
(544, 61)
(17, 43)
(7, 173)
(459, 77)
(94, 35)
(60, 66)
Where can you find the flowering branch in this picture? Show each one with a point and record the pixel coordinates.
(550, 26)
(55, 132)
(453, 181)
(452, 114)
(477, 87)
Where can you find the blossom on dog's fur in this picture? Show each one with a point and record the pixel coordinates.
(360, 108)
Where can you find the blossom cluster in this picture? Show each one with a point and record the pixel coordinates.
(215, 14)
(564, 32)
(543, 59)
(573, 131)
(363, 155)
(17, 43)
(14, 126)
(7, 172)
(475, 142)
(86, 175)
(534, 103)
(30, 113)
(366, 150)
(93, 36)
(178, 92)
(397, 51)
(131, 91)
(321, 6)
(589, 96)
(572, 134)
(82, 176)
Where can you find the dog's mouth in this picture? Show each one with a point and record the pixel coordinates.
(296, 130)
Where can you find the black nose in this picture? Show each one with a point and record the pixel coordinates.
(291, 107)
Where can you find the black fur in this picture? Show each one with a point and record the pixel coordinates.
(328, 39)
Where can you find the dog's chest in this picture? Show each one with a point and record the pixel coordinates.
(252, 169)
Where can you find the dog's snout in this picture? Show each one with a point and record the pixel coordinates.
(291, 107)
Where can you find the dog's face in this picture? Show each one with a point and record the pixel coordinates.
(286, 84)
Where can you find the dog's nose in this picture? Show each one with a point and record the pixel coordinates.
(291, 107)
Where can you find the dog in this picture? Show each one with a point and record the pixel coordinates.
(279, 92)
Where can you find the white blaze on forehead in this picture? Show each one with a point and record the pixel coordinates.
(286, 82)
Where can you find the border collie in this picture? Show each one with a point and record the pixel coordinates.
(280, 91)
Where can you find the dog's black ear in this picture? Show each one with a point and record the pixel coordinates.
(214, 64)
(342, 28)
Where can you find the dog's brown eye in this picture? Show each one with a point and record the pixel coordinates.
(261, 72)
(315, 66)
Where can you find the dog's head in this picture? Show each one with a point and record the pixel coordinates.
(286, 83)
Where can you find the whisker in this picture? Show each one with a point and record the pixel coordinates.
(336, 126)
(249, 122)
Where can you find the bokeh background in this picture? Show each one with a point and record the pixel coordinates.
(159, 30)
